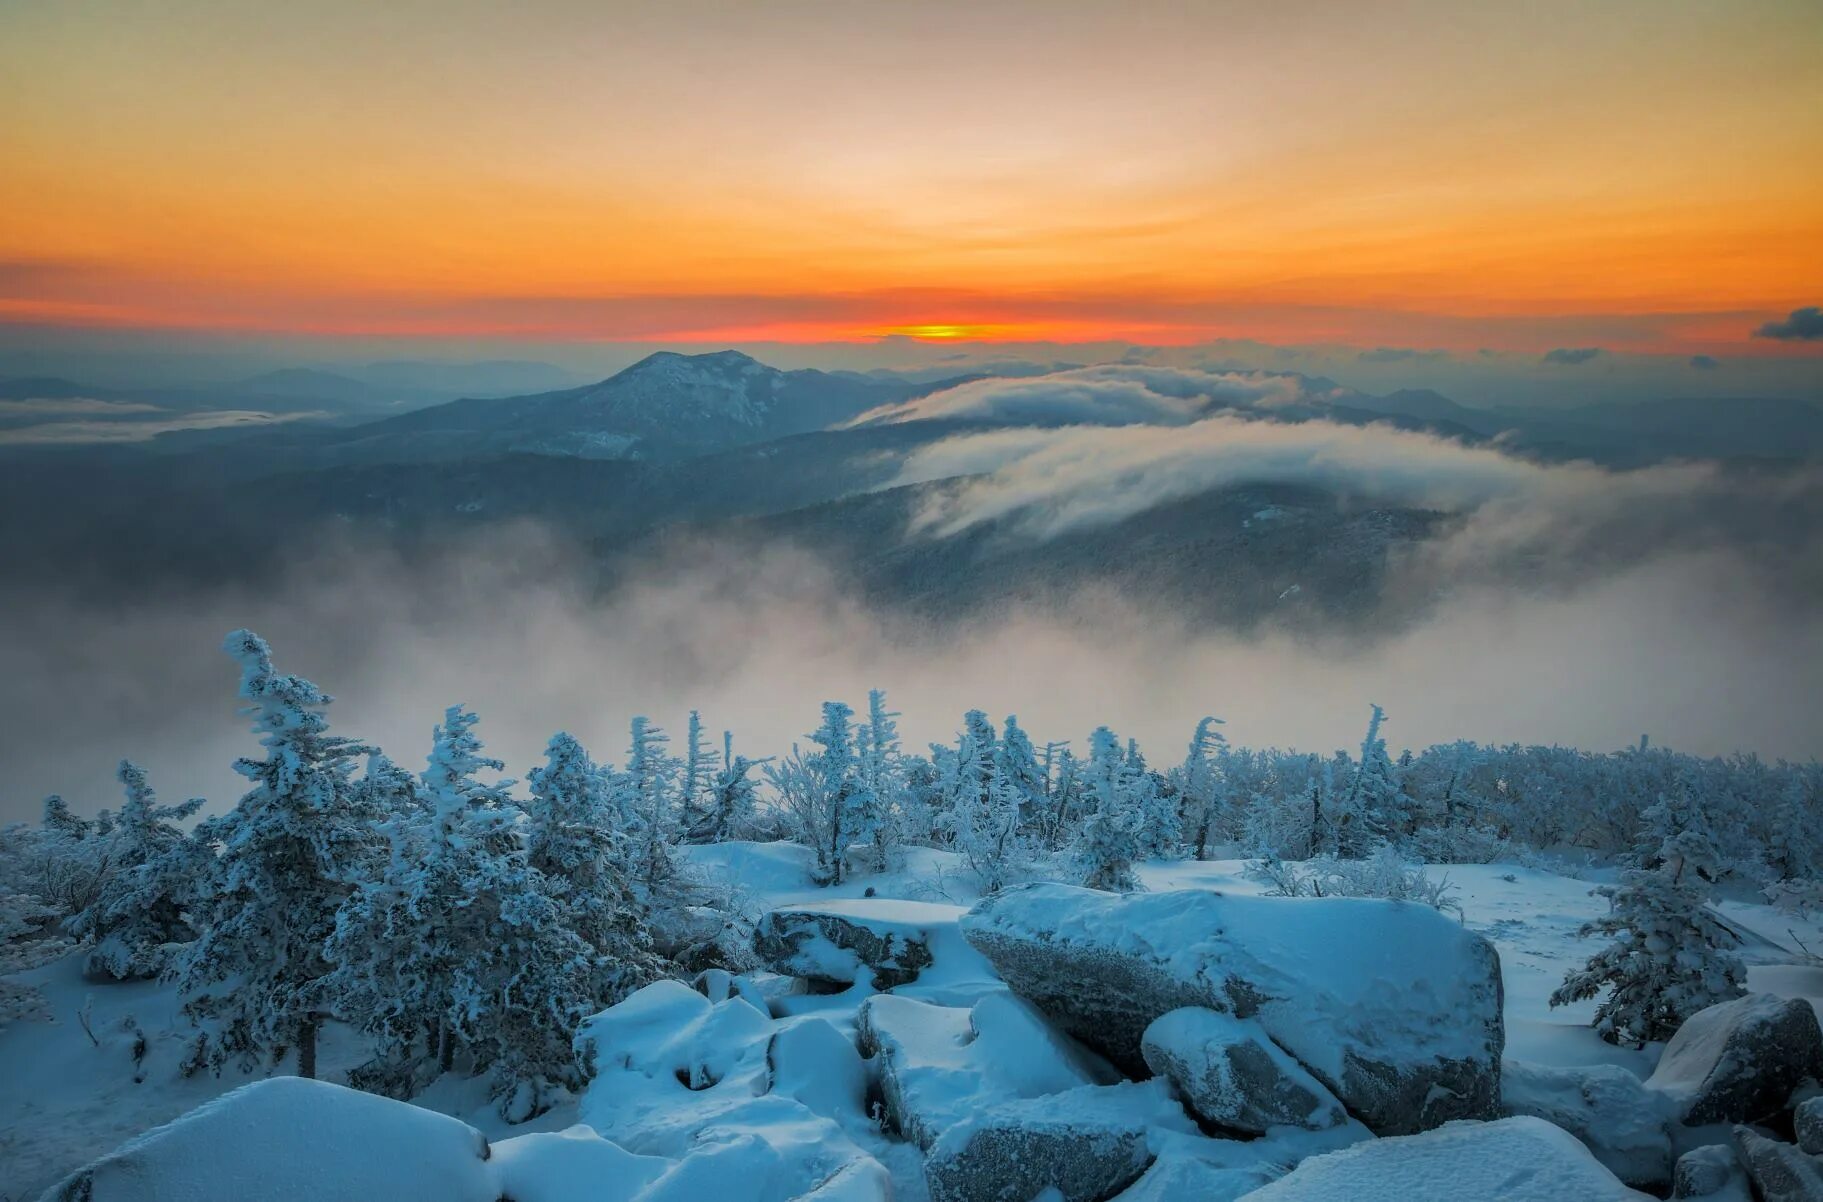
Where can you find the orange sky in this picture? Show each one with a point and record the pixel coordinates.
(1428, 174)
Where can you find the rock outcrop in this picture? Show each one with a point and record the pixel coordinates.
(1739, 1061)
(1604, 1106)
(1087, 1145)
(1781, 1172)
(1232, 1076)
(1392, 1006)
(834, 945)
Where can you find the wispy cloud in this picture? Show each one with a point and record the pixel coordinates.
(1572, 356)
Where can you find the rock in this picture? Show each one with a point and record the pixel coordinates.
(548, 1166)
(1606, 1107)
(814, 1063)
(1712, 1172)
(1231, 1075)
(668, 1029)
(1087, 1145)
(1181, 1178)
(834, 945)
(940, 1064)
(1391, 1005)
(1739, 1061)
(1807, 1121)
(718, 985)
(288, 1137)
(1515, 1160)
(1781, 1172)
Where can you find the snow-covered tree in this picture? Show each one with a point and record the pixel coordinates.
(1113, 834)
(1671, 955)
(882, 774)
(645, 796)
(291, 852)
(1160, 818)
(986, 820)
(733, 797)
(140, 910)
(696, 784)
(824, 792)
(1200, 785)
(1017, 769)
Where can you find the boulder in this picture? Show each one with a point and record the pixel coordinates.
(1086, 1145)
(287, 1137)
(1605, 1106)
(835, 945)
(939, 1064)
(718, 985)
(1739, 1061)
(1807, 1122)
(816, 1064)
(1515, 1160)
(1713, 1173)
(1393, 1006)
(1781, 1172)
(1231, 1075)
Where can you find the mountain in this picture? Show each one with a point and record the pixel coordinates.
(665, 406)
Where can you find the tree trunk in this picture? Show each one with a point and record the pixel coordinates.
(307, 1047)
(446, 1046)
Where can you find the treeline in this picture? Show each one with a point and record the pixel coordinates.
(463, 923)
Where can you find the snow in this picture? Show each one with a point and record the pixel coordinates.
(1621, 1121)
(1514, 1160)
(288, 1137)
(795, 1129)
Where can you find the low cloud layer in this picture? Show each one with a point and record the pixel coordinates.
(1572, 356)
(1109, 395)
(1684, 646)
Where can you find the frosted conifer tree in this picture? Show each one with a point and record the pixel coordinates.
(646, 798)
(733, 796)
(696, 786)
(824, 792)
(139, 910)
(1016, 766)
(1671, 956)
(291, 851)
(1200, 783)
(883, 776)
(1112, 828)
(1160, 820)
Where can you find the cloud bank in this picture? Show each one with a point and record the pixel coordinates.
(1804, 325)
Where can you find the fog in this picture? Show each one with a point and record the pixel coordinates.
(1689, 646)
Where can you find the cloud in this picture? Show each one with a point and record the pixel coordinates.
(33, 407)
(1804, 325)
(1572, 356)
(1705, 362)
(1684, 646)
(99, 431)
(1110, 395)
(1399, 354)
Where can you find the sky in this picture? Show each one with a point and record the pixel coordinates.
(1640, 177)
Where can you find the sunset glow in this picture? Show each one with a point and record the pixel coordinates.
(941, 172)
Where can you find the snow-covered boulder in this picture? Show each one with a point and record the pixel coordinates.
(1738, 1062)
(1712, 1173)
(1230, 1074)
(1087, 1144)
(669, 1028)
(1807, 1121)
(1392, 1005)
(289, 1138)
(1781, 1172)
(718, 985)
(836, 944)
(816, 1064)
(575, 1165)
(1604, 1106)
(939, 1064)
(1515, 1160)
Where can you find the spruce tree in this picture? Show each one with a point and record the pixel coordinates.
(290, 854)
(139, 912)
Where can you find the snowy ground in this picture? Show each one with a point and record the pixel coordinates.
(70, 1089)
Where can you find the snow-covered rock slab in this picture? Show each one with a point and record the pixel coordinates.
(1781, 1172)
(1711, 1172)
(1232, 1075)
(816, 1064)
(1514, 1160)
(289, 1138)
(1603, 1105)
(836, 944)
(1394, 1006)
(1086, 1145)
(1738, 1062)
(940, 1064)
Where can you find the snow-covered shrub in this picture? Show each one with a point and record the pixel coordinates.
(1671, 956)
(140, 912)
(1384, 874)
